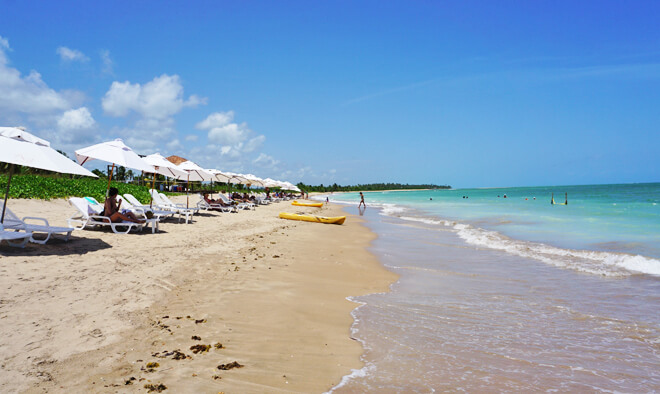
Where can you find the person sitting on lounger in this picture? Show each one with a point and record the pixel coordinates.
(218, 201)
(247, 198)
(239, 198)
(111, 209)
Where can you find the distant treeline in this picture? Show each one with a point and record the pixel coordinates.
(368, 187)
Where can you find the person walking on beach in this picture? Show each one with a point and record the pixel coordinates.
(361, 201)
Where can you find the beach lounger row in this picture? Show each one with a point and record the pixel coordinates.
(18, 232)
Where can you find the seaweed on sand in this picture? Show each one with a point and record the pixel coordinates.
(155, 387)
(200, 348)
(232, 365)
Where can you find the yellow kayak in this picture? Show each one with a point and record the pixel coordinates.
(307, 204)
(312, 218)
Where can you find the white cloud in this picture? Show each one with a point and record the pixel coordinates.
(4, 44)
(254, 143)
(264, 160)
(174, 146)
(71, 55)
(107, 62)
(76, 119)
(231, 134)
(216, 119)
(158, 99)
(295, 176)
(191, 137)
(27, 94)
(235, 138)
(155, 104)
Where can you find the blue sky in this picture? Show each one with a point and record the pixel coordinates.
(469, 93)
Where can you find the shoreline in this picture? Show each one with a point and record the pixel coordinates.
(265, 288)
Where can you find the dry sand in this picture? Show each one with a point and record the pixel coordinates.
(88, 315)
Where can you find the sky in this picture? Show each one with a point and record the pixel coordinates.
(464, 93)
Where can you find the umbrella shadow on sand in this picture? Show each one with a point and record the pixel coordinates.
(56, 246)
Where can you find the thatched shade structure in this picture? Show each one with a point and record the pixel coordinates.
(176, 159)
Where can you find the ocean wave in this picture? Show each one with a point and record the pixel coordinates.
(391, 209)
(610, 264)
(593, 262)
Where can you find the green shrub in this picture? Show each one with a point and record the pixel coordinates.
(58, 186)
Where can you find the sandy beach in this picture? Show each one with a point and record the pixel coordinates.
(262, 298)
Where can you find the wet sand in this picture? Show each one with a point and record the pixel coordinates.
(263, 293)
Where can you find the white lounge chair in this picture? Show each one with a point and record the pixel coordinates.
(13, 237)
(239, 205)
(169, 206)
(89, 216)
(272, 198)
(142, 210)
(202, 204)
(12, 222)
(135, 203)
(167, 200)
(261, 199)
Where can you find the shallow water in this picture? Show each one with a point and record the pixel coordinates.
(475, 319)
(473, 316)
(611, 230)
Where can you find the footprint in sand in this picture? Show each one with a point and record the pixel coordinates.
(96, 333)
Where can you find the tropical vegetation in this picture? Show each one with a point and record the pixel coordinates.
(367, 187)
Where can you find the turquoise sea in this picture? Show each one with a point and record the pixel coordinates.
(604, 229)
(512, 294)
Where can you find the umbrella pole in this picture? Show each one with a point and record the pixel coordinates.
(107, 192)
(151, 196)
(187, 187)
(4, 205)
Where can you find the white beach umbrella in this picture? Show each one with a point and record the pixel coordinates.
(115, 152)
(268, 182)
(18, 147)
(289, 186)
(165, 167)
(253, 179)
(237, 179)
(195, 172)
(219, 175)
(293, 187)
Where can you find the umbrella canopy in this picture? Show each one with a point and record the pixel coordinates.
(220, 176)
(115, 152)
(195, 172)
(237, 179)
(290, 186)
(268, 182)
(165, 167)
(24, 149)
(19, 147)
(253, 179)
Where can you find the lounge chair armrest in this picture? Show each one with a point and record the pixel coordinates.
(102, 218)
(37, 219)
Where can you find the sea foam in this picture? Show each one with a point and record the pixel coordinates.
(593, 262)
